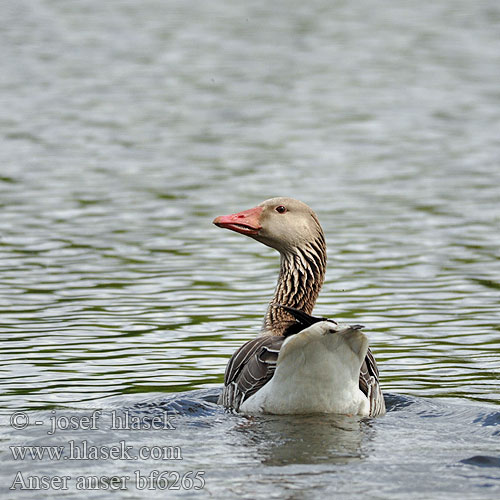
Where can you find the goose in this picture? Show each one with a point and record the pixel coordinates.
(298, 363)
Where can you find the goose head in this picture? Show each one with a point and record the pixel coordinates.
(284, 224)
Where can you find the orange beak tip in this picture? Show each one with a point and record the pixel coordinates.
(246, 222)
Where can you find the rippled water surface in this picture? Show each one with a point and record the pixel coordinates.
(126, 127)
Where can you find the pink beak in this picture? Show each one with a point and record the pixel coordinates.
(246, 222)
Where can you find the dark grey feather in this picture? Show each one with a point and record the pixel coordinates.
(250, 368)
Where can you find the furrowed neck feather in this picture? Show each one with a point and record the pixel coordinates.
(302, 272)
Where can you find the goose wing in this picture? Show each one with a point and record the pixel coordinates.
(369, 385)
(249, 369)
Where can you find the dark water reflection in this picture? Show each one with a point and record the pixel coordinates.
(312, 439)
(125, 130)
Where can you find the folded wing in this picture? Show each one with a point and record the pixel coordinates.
(250, 368)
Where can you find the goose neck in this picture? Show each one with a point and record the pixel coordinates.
(302, 272)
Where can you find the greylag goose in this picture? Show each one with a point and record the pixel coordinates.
(299, 363)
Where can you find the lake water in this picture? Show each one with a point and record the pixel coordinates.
(126, 127)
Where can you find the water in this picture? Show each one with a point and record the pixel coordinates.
(127, 127)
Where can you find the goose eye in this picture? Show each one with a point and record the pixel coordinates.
(281, 209)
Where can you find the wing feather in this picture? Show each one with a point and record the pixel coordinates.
(250, 368)
(369, 385)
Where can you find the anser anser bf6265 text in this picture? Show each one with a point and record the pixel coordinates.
(299, 363)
